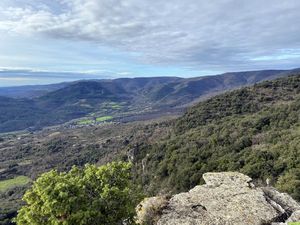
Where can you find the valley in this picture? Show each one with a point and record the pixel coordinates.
(120, 100)
(254, 130)
(143, 112)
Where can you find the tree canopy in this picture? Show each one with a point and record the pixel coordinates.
(253, 130)
(92, 195)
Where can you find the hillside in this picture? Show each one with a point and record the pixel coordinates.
(254, 130)
(30, 91)
(119, 99)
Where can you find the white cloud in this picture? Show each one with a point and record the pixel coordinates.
(215, 34)
(17, 79)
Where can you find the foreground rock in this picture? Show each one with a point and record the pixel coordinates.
(227, 198)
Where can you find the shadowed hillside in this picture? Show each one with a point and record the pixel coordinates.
(128, 97)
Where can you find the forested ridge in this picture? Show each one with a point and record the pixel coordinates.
(126, 96)
(255, 130)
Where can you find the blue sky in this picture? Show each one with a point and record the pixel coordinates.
(87, 39)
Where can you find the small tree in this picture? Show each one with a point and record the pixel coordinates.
(90, 196)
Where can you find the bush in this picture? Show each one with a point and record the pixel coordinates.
(290, 182)
(93, 195)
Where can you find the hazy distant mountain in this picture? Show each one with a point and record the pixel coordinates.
(58, 103)
(29, 91)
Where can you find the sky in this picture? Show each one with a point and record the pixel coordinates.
(48, 41)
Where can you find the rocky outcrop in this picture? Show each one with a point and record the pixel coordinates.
(150, 209)
(227, 198)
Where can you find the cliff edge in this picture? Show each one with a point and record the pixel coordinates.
(227, 198)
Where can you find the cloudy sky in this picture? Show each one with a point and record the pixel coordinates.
(44, 41)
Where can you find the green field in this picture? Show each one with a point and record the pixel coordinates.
(103, 118)
(115, 105)
(294, 223)
(17, 181)
(85, 122)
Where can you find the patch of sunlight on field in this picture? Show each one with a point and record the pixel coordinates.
(115, 105)
(85, 122)
(17, 181)
(103, 118)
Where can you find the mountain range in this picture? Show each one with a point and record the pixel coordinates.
(39, 106)
(253, 130)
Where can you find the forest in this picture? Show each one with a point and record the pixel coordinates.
(254, 130)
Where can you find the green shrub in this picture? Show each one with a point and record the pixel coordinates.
(89, 196)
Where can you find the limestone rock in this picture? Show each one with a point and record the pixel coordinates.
(228, 198)
(283, 199)
(150, 209)
(295, 217)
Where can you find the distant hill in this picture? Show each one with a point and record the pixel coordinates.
(30, 91)
(191, 89)
(54, 104)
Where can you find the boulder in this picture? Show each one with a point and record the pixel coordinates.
(227, 198)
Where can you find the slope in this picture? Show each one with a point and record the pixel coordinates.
(255, 130)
